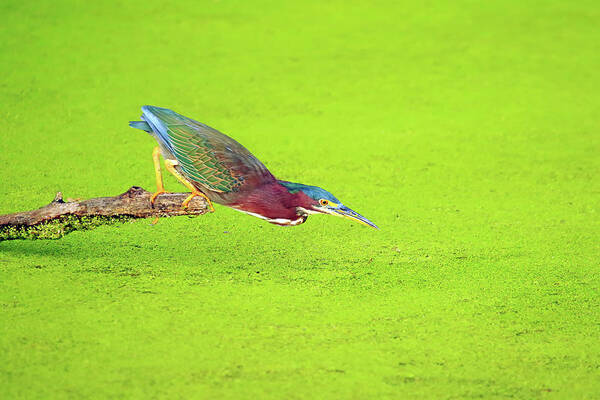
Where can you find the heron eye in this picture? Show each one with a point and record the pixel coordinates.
(323, 202)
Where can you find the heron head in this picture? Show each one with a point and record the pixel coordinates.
(324, 202)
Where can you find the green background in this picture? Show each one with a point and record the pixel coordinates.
(467, 130)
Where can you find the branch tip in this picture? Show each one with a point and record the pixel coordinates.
(58, 198)
(134, 191)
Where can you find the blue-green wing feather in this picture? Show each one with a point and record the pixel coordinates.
(208, 157)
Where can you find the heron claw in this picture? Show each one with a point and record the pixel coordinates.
(186, 202)
(155, 195)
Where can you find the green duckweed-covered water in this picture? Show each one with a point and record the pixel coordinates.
(468, 131)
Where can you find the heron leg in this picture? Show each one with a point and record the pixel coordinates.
(195, 192)
(160, 188)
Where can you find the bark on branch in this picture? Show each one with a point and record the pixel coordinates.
(60, 218)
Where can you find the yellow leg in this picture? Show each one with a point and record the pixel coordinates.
(195, 192)
(160, 188)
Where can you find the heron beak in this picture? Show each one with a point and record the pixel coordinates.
(345, 212)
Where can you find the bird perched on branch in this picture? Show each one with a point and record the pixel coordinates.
(216, 167)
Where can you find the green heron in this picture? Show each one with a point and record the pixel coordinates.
(221, 170)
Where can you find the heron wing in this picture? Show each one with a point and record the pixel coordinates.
(208, 157)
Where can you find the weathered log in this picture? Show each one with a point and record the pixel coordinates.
(62, 217)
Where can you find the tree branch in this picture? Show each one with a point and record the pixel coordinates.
(60, 218)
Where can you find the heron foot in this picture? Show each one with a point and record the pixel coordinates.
(155, 195)
(186, 202)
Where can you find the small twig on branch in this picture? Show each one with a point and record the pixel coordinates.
(59, 217)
